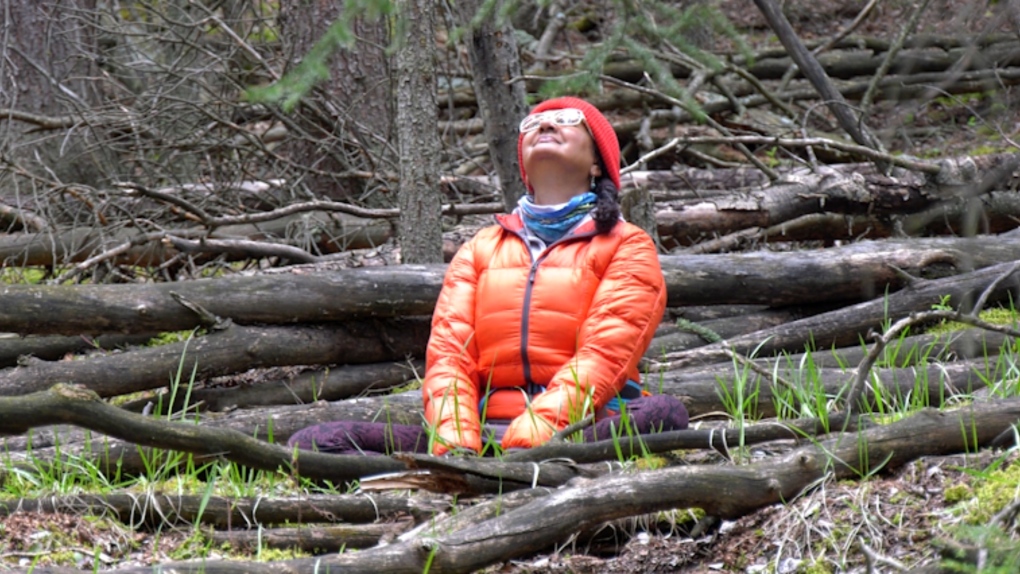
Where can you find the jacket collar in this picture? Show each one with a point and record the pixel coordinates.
(512, 222)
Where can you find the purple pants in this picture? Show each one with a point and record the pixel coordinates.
(645, 415)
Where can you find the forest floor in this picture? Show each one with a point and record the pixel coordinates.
(886, 520)
(881, 524)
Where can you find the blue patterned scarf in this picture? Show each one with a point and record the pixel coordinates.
(551, 222)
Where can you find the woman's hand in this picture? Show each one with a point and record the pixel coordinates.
(527, 430)
(456, 445)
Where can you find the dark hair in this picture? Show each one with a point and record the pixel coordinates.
(607, 205)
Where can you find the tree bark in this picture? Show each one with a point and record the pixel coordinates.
(492, 50)
(847, 274)
(44, 73)
(354, 112)
(154, 510)
(233, 350)
(317, 539)
(419, 196)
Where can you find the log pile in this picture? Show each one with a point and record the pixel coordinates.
(323, 340)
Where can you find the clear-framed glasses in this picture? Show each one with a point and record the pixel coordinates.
(564, 117)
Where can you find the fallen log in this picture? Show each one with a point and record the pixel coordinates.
(934, 385)
(155, 510)
(683, 334)
(315, 538)
(330, 384)
(831, 190)
(235, 349)
(267, 299)
(271, 424)
(333, 232)
(83, 408)
(912, 351)
(16, 350)
(314, 293)
(848, 325)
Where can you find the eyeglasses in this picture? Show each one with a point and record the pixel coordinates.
(564, 117)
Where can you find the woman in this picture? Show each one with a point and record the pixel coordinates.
(543, 317)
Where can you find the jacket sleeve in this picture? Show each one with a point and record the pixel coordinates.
(450, 389)
(626, 309)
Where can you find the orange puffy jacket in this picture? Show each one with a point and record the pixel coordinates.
(574, 322)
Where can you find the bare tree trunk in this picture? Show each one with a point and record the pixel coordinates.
(42, 72)
(492, 49)
(420, 199)
(348, 121)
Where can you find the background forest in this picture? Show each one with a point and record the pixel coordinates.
(224, 220)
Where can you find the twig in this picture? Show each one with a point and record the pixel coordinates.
(650, 156)
(256, 249)
(772, 175)
(750, 364)
(47, 122)
(980, 303)
(832, 41)
(198, 212)
(29, 221)
(881, 341)
(813, 70)
(874, 558)
(763, 90)
(562, 434)
(906, 163)
(556, 22)
(99, 258)
(208, 319)
(711, 336)
(858, 20)
(897, 45)
(1004, 518)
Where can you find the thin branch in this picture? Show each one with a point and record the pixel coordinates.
(897, 45)
(813, 70)
(853, 400)
(106, 255)
(772, 175)
(135, 188)
(28, 220)
(980, 303)
(899, 161)
(253, 249)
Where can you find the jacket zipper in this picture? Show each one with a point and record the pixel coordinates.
(530, 386)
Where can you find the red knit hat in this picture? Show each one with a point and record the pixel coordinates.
(601, 130)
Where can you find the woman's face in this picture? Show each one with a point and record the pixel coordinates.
(565, 147)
